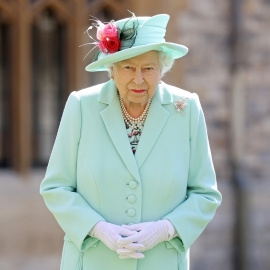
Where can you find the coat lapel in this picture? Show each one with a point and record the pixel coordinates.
(114, 123)
(154, 124)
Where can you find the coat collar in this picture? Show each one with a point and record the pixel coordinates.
(108, 92)
(114, 123)
(163, 95)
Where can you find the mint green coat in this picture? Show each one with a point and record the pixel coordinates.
(93, 175)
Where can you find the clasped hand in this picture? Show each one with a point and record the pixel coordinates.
(148, 235)
(129, 241)
(110, 234)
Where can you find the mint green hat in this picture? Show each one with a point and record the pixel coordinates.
(150, 33)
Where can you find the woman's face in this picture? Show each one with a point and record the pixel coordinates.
(137, 78)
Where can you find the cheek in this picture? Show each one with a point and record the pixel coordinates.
(154, 84)
(121, 85)
(155, 81)
(118, 84)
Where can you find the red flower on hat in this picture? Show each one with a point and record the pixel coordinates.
(110, 45)
(108, 36)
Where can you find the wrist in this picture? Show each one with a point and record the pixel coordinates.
(169, 229)
(94, 232)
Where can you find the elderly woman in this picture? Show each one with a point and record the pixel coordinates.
(130, 179)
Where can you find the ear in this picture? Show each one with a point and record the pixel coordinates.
(111, 70)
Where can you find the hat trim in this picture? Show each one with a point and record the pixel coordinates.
(173, 49)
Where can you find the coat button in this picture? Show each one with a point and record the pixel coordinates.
(132, 184)
(131, 199)
(131, 212)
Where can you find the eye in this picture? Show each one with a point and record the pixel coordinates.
(127, 67)
(149, 68)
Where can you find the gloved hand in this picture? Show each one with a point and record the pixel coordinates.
(129, 253)
(110, 233)
(149, 234)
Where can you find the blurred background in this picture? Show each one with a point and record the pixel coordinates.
(228, 66)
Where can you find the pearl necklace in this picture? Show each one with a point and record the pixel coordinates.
(134, 123)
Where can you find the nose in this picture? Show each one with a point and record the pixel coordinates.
(138, 77)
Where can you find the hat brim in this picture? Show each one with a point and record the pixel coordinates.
(172, 49)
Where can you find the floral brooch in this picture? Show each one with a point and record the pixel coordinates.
(110, 37)
(181, 104)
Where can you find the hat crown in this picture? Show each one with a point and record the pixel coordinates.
(160, 20)
(150, 30)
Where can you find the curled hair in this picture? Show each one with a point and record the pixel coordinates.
(166, 61)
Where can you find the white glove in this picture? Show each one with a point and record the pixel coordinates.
(127, 253)
(149, 234)
(110, 233)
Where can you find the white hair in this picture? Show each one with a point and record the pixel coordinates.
(166, 61)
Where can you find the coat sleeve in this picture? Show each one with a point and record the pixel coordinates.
(191, 217)
(58, 188)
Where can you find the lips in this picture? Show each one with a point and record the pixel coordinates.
(138, 91)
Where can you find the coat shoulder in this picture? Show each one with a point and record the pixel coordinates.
(177, 92)
(180, 98)
(104, 93)
(92, 91)
(172, 94)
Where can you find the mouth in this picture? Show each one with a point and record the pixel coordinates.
(137, 91)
